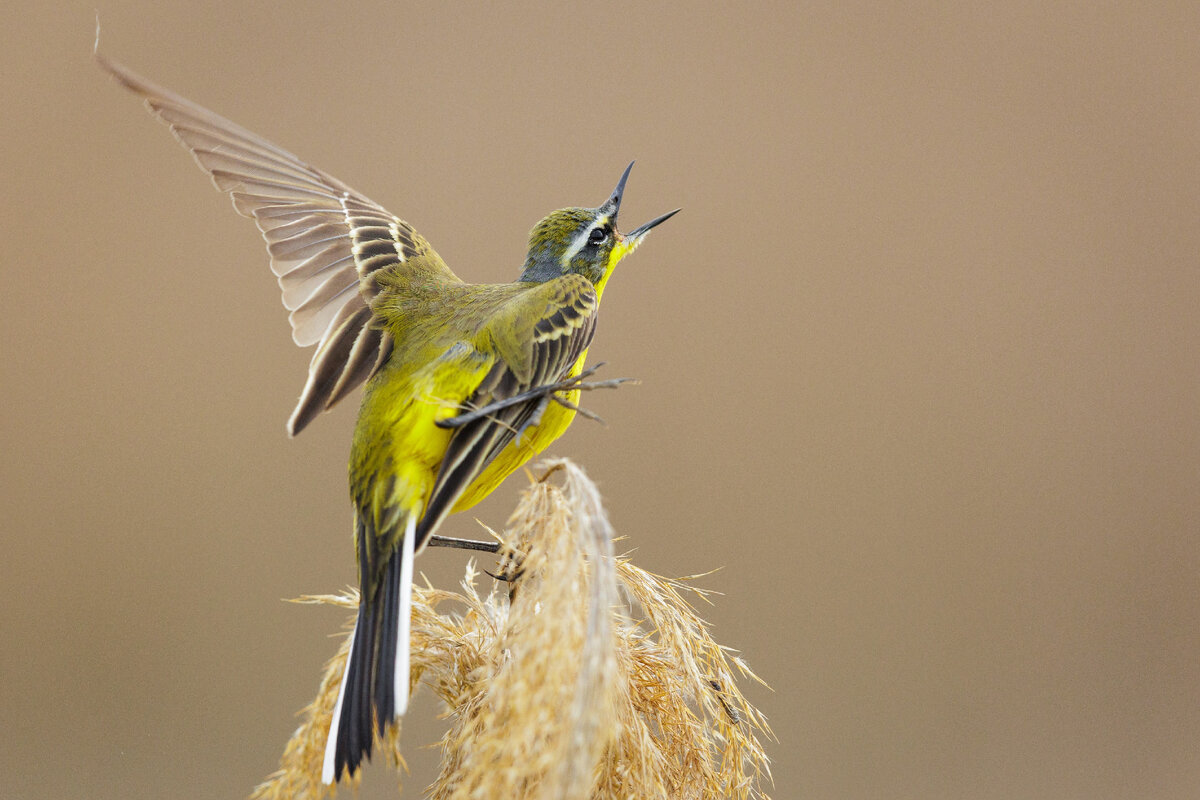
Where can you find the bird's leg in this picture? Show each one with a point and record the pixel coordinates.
(549, 390)
(464, 544)
(592, 415)
(536, 416)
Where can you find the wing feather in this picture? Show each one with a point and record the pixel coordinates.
(325, 240)
(371, 349)
(557, 323)
(329, 362)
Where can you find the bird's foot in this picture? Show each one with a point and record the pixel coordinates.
(511, 560)
(512, 568)
(546, 392)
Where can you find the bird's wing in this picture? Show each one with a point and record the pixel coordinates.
(538, 338)
(326, 241)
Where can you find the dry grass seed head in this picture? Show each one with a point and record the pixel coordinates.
(558, 692)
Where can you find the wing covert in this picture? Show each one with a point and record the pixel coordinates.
(325, 240)
(556, 324)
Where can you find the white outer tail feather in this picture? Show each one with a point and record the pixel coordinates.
(331, 740)
(404, 621)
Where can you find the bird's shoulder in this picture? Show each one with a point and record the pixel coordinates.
(536, 314)
(537, 311)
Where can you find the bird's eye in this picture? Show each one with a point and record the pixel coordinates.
(597, 236)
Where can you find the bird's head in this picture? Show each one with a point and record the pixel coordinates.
(584, 241)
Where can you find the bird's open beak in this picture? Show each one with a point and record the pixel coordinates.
(613, 204)
(627, 242)
(637, 233)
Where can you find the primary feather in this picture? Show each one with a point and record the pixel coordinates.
(325, 240)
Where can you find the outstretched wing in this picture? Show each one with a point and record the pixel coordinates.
(325, 241)
(540, 340)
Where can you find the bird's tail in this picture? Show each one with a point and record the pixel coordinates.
(375, 684)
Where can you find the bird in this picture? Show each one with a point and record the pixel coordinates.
(462, 383)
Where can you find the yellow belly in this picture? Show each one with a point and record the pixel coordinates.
(398, 449)
(555, 421)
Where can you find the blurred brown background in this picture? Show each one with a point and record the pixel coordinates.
(919, 362)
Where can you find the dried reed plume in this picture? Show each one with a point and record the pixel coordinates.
(593, 679)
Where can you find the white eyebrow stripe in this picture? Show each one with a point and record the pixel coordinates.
(581, 241)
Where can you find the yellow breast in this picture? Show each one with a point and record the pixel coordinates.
(554, 423)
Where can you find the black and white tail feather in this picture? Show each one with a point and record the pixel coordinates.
(375, 682)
